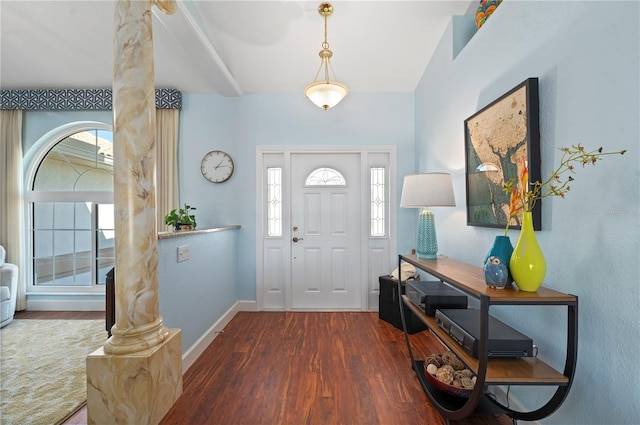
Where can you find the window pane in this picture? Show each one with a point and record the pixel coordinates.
(63, 215)
(83, 255)
(106, 242)
(43, 215)
(378, 204)
(82, 245)
(274, 201)
(63, 271)
(63, 243)
(82, 215)
(43, 271)
(42, 243)
(325, 177)
(82, 161)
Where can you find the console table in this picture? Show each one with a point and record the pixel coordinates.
(492, 371)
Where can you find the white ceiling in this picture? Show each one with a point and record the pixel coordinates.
(227, 47)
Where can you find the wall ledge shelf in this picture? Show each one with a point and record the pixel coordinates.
(167, 235)
(464, 28)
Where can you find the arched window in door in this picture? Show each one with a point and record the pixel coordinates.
(72, 238)
(325, 177)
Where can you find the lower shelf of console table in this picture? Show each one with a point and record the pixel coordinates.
(500, 371)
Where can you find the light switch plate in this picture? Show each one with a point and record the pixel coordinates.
(183, 253)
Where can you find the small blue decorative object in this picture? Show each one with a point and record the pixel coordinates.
(496, 263)
(496, 274)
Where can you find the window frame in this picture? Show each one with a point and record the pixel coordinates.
(32, 164)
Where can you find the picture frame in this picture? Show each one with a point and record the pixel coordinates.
(497, 137)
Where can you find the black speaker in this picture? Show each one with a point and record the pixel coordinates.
(389, 307)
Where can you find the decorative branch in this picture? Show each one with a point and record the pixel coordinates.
(525, 198)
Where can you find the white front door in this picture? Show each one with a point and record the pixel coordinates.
(325, 231)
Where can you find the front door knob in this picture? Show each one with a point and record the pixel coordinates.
(296, 239)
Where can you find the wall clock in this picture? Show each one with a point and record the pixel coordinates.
(217, 166)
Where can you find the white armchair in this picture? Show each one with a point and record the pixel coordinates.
(8, 289)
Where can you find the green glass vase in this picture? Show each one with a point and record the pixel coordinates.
(527, 264)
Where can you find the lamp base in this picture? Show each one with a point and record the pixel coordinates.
(427, 244)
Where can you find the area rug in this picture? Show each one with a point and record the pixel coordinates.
(43, 368)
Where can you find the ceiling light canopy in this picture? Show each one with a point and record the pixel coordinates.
(326, 93)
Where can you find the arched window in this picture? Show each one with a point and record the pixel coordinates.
(72, 238)
(325, 177)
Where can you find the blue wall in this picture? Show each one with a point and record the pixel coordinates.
(586, 56)
(238, 125)
(194, 294)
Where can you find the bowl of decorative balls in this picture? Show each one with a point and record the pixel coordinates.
(449, 374)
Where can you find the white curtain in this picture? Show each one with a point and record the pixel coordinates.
(11, 194)
(167, 197)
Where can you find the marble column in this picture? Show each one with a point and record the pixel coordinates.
(137, 376)
(138, 323)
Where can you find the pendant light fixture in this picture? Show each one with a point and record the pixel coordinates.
(326, 93)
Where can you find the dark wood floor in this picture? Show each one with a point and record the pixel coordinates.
(308, 368)
(302, 368)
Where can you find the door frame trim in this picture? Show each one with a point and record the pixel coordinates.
(286, 152)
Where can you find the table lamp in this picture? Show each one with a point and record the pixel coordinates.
(422, 191)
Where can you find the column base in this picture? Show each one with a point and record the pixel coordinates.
(137, 388)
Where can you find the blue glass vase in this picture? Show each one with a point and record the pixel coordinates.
(496, 263)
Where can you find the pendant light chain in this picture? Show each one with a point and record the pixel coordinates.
(325, 46)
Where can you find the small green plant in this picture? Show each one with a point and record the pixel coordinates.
(181, 217)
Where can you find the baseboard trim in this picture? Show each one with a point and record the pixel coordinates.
(247, 305)
(66, 305)
(196, 350)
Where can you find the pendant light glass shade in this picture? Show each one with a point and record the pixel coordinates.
(326, 93)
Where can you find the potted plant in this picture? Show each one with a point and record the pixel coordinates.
(181, 218)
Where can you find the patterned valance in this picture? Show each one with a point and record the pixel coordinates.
(77, 99)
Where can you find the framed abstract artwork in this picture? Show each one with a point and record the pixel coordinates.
(497, 138)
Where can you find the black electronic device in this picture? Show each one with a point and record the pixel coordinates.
(389, 306)
(464, 327)
(432, 295)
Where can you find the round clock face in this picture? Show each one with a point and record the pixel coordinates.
(216, 166)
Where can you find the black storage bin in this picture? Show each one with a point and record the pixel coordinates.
(389, 307)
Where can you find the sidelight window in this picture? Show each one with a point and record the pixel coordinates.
(274, 201)
(378, 202)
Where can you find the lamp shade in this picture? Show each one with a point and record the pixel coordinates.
(427, 190)
(326, 94)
